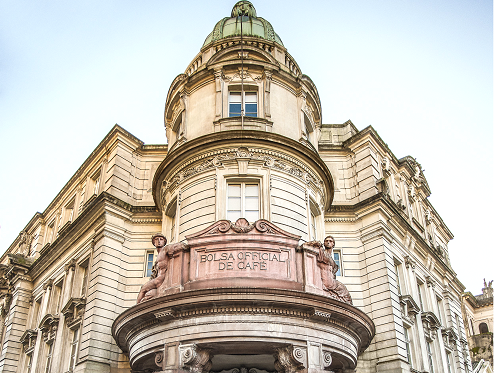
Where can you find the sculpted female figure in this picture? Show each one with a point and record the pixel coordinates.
(329, 268)
(150, 289)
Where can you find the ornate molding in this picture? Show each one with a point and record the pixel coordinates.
(48, 327)
(195, 359)
(146, 220)
(28, 340)
(242, 226)
(74, 311)
(449, 338)
(271, 159)
(409, 309)
(431, 324)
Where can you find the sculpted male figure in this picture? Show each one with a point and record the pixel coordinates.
(150, 289)
(328, 269)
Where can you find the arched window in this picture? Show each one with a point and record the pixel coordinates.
(483, 328)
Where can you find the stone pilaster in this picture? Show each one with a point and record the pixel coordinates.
(16, 317)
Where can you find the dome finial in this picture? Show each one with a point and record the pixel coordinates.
(244, 8)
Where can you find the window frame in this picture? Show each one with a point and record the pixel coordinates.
(430, 356)
(49, 358)
(338, 261)
(245, 93)
(408, 345)
(74, 347)
(243, 184)
(148, 272)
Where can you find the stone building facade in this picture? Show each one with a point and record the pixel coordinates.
(478, 319)
(247, 154)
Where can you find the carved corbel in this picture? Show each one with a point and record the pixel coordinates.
(48, 284)
(195, 359)
(70, 265)
(386, 167)
(409, 262)
(327, 359)
(289, 359)
(430, 282)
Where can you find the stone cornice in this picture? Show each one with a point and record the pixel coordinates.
(390, 206)
(289, 303)
(242, 139)
(91, 216)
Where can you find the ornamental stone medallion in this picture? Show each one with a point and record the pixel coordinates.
(241, 296)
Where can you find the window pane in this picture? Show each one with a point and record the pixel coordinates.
(234, 190)
(336, 256)
(234, 110)
(251, 110)
(252, 190)
(250, 97)
(251, 216)
(235, 97)
(251, 203)
(234, 204)
(233, 215)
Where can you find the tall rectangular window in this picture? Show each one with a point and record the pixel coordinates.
(84, 273)
(397, 271)
(430, 357)
(407, 344)
(29, 363)
(448, 361)
(96, 182)
(439, 309)
(242, 201)
(149, 263)
(57, 296)
(313, 230)
(337, 259)
(420, 296)
(73, 349)
(235, 104)
(49, 358)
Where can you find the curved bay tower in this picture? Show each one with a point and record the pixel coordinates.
(281, 244)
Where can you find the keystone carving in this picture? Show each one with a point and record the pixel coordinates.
(289, 359)
(195, 359)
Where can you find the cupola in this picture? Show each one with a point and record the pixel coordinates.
(243, 21)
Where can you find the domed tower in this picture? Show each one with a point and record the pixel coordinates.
(244, 283)
(243, 119)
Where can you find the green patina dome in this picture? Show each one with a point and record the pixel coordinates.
(251, 25)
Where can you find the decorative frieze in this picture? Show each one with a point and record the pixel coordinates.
(270, 159)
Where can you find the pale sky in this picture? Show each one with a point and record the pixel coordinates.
(419, 71)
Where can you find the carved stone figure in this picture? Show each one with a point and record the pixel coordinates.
(329, 268)
(150, 289)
